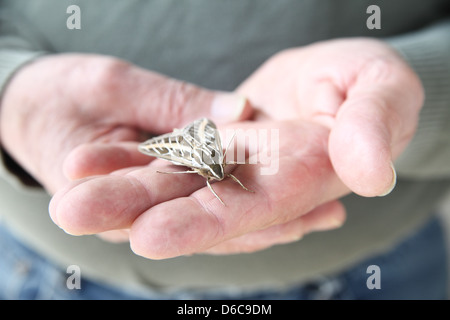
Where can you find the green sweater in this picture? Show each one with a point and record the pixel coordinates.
(218, 44)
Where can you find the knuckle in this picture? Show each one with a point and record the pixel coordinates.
(378, 69)
(105, 75)
(287, 56)
(177, 99)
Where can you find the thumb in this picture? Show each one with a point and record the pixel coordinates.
(360, 150)
(159, 104)
(374, 125)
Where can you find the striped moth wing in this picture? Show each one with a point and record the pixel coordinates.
(197, 146)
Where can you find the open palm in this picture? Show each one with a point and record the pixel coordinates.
(343, 112)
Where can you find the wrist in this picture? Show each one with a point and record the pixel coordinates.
(10, 62)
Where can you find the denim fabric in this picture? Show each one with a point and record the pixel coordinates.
(415, 269)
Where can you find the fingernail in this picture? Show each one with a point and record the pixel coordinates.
(336, 223)
(295, 237)
(393, 183)
(227, 107)
(328, 224)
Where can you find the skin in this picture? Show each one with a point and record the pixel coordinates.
(344, 111)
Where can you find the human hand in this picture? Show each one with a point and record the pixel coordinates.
(97, 107)
(368, 98)
(171, 215)
(358, 115)
(360, 89)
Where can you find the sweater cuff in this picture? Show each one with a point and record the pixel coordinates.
(428, 53)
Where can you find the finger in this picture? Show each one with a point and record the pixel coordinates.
(360, 149)
(102, 158)
(115, 236)
(158, 104)
(373, 126)
(102, 203)
(328, 216)
(322, 98)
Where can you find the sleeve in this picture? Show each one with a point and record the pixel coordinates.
(428, 53)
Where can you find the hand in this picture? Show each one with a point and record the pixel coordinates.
(360, 89)
(171, 215)
(96, 107)
(355, 105)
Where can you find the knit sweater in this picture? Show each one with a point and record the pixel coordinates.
(218, 44)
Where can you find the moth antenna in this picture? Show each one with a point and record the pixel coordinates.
(229, 144)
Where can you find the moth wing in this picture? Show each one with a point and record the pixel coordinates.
(197, 145)
(170, 147)
(203, 133)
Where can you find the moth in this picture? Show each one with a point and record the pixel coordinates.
(197, 146)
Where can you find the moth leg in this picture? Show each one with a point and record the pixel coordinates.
(165, 172)
(240, 183)
(212, 190)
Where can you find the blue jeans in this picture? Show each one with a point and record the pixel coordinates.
(415, 269)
